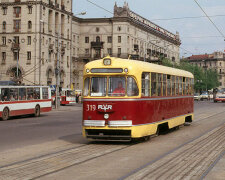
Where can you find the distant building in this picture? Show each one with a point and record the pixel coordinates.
(214, 61)
(34, 31)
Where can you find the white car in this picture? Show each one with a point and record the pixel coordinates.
(197, 97)
(204, 96)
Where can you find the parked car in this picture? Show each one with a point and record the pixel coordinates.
(197, 96)
(204, 95)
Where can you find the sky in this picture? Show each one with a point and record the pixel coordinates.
(198, 35)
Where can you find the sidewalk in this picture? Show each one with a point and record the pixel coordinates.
(70, 107)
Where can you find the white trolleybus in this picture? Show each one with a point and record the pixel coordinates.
(22, 100)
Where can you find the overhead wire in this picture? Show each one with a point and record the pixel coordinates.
(210, 19)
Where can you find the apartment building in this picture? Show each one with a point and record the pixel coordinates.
(42, 31)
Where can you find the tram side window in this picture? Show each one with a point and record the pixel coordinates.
(117, 86)
(132, 89)
(30, 93)
(153, 84)
(5, 94)
(180, 85)
(177, 86)
(192, 86)
(168, 85)
(98, 86)
(36, 93)
(22, 94)
(164, 84)
(187, 86)
(145, 84)
(159, 88)
(44, 93)
(184, 86)
(13, 94)
(86, 86)
(173, 85)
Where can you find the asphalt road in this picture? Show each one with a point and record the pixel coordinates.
(57, 135)
(27, 130)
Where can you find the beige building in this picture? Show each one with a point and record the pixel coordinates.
(124, 35)
(32, 32)
(214, 61)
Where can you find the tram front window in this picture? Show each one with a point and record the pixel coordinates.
(98, 86)
(117, 86)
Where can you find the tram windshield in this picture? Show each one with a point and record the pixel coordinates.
(117, 86)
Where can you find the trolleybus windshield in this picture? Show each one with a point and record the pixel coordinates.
(117, 86)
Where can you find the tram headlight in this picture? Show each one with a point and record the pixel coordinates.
(87, 70)
(106, 116)
(107, 61)
(126, 70)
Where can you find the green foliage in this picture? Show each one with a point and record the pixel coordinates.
(204, 79)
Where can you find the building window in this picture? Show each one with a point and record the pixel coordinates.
(109, 50)
(4, 10)
(17, 25)
(28, 40)
(3, 56)
(97, 39)
(3, 40)
(29, 55)
(4, 25)
(17, 12)
(15, 55)
(97, 29)
(86, 39)
(119, 52)
(109, 39)
(30, 9)
(118, 28)
(29, 24)
(119, 39)
(74, 38)
(86, 51)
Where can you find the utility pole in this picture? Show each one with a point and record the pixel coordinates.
(57, 73)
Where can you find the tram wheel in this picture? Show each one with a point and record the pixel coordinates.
(37, 111)
(5, 114)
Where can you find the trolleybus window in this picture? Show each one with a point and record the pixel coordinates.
(145, 88)
(13, 94)
(30, 93)
(153, 84)
(44, 93)
(86, 86)
(5, 94)
(117, 86)
(36, 93)
(98, 86)
(22, 93)
(132, 89)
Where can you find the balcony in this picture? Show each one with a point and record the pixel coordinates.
(16, 15)
(97, 44)
(15, 47)
(57, 5)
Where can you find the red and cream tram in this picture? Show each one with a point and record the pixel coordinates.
(126, 99)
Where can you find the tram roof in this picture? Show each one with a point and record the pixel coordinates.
(135, 66)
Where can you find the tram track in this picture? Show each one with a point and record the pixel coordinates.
(188, 161)
(47, 164)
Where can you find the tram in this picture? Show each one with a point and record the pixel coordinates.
(126, 99)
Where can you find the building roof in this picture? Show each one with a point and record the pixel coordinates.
(199, 57)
